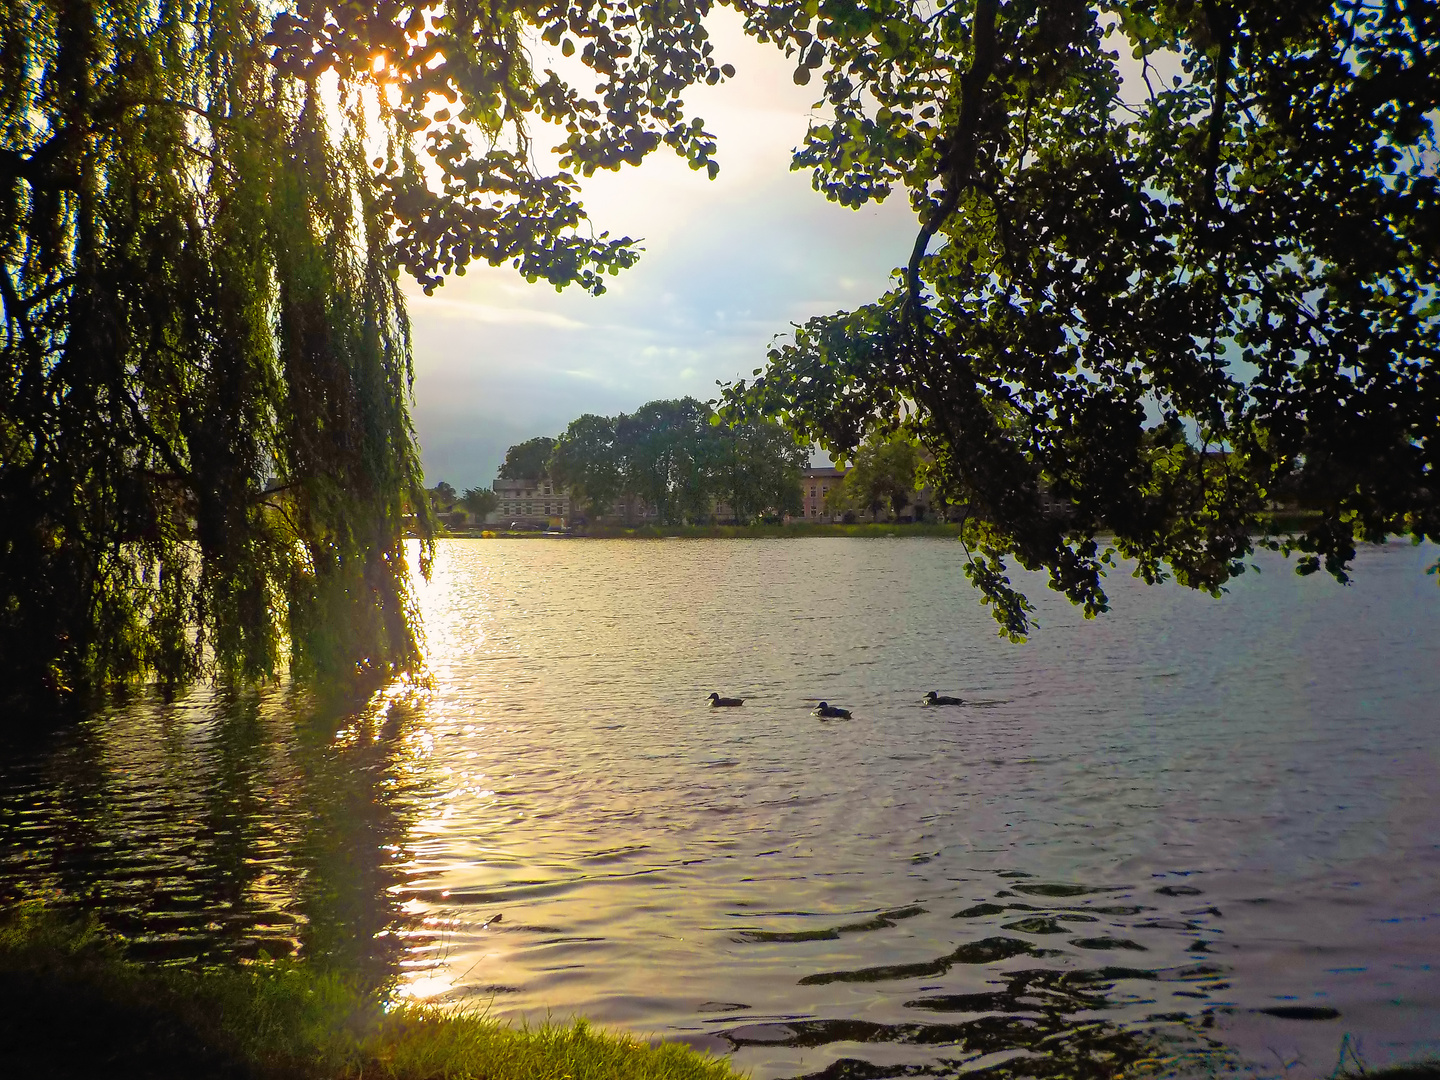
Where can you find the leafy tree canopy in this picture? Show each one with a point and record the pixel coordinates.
(529, 460)
(668, 456)
(1133, 308)
(463, 82)
(206, 458)
(675, 457)
(758, 469)
(479, 501)
(587, 462)
(884, 472)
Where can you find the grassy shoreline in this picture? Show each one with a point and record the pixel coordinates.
(71, 1005)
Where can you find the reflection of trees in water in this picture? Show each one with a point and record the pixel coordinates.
(219, 826)
(357, 820)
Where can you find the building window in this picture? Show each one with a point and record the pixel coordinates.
(812, 493)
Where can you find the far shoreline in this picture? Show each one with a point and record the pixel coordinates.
(711, 532)
(1279, 523)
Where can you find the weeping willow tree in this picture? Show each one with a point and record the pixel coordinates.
(207, 465)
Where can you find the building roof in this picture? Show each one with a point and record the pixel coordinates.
(516, 485)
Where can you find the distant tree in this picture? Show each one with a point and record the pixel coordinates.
(838, 501)
(675, 457)
(669, 451)
(758, 469)
(479, 501)
(442, 495)
(529, 460)
(587, 462)
(884, 472)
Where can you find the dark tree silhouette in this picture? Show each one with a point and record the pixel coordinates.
(529, 460)
(1134, 311)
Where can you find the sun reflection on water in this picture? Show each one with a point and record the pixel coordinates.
(658, 866)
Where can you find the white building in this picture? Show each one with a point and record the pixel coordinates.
(529, 501)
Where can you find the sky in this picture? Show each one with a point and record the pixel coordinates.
(727, 265)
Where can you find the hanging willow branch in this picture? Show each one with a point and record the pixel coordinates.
(207, 465)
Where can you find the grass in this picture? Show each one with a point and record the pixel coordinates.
(71, 1005)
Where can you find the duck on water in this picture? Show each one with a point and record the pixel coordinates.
(718, 702)
(932, 698)
(826, 711)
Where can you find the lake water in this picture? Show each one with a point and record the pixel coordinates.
(1190, 836)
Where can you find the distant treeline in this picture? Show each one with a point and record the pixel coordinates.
(677, 463)
(675, 457)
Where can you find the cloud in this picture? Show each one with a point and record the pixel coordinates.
(727, 266)
(435, 307)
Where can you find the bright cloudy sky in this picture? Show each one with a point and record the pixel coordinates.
(727, 265)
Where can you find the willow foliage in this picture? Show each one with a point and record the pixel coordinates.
(206, 459)
(1134, 310)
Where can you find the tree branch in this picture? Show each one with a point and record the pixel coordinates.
(964, 144)
(1222, 29)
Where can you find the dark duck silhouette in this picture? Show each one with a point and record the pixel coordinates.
(933, 698)
(826, 711)
(718, 702)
